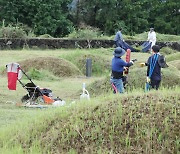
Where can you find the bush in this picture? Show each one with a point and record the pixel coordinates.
(85, 33)
(12, 32)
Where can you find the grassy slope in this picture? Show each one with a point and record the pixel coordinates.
(137, 122)
(17, 128)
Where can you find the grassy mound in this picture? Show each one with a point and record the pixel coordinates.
(100, 63)
(175, 64)
(147, 123)
(59, 67)
(167, 51)
(171, 57)
(136, 80)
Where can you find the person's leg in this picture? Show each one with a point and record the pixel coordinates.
(155, 84)
(158, 84)
(119, 85)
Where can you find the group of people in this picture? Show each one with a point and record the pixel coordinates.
(154, 64)
(151, 40)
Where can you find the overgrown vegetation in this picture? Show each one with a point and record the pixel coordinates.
(58, 67)
(12, 32)
(100, 65)
(59, 17)
(145, 123)
(134, 122)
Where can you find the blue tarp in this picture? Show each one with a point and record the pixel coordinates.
(146, 46)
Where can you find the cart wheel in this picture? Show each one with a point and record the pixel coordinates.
(25, 98)
(39, 100)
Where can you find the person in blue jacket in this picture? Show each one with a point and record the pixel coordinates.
(117, 67)
(118, 38)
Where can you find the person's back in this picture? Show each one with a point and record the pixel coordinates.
(156, 74)
(154, 68)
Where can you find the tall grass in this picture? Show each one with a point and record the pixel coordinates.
(116, 123)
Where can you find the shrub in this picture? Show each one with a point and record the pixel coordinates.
(85, 33)
(12, 32)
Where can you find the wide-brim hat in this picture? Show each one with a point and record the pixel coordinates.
(118, 52)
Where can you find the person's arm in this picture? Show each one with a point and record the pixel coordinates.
(148, 36)
(127, 64)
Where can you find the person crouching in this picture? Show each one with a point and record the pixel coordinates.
(117, 67)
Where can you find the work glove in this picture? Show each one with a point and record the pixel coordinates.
(133, 60)
(148, 79)
(142, 64)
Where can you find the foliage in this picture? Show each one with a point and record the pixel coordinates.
(44, 17)
(85, 33)
(58, 17)
(132, 16)
(12, 32)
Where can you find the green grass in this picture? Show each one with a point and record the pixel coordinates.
(114, 123)
(136, 122)
(90, 33)
(172, 57)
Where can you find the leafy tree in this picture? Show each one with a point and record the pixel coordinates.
(134, 16)
(43, 16)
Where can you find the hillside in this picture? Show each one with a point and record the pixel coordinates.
(134, 123)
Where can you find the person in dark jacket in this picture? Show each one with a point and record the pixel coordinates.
(117, 67)
(155, 63)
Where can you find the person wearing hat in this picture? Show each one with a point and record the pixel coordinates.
(155, 63)
(152, 37)
(117, 67)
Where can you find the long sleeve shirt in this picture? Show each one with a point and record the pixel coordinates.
(152, 36)
(118, 65)
(156, 74)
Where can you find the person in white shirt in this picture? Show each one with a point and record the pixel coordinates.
(152, 37)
